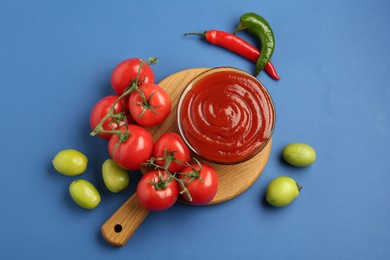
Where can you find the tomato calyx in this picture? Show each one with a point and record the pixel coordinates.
(161, 183)
(193, 174)
(146, 104)
(299, 187)
(116, 119)
(169, 158)
(182, 178)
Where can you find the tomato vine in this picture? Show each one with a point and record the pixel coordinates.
(120, 117)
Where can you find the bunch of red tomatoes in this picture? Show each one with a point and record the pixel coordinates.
(123, 119)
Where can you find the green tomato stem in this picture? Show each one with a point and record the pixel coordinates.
(299, 187)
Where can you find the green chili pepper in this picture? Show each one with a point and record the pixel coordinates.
(257, 25)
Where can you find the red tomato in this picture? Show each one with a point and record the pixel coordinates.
(156, 108)
(202, 185)
(173, 144)
(157, 193)
(126, 72)
(101, 109)
(137, 149)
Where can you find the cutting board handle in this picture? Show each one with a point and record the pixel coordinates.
(118, 229)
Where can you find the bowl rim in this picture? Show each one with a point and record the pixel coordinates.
(210, 71)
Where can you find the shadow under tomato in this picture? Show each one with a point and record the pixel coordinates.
(67, 199)
(265, 203)
(51, 170)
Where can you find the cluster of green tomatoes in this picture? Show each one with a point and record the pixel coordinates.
(71, 162)
(283, 190)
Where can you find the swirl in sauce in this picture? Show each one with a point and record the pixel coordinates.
(226, 116)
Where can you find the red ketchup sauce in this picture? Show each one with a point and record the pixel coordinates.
(226, 115)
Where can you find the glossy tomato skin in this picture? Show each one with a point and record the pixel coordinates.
(126, 72)
(158, 99)
(173, 143)
(137, 149)
(157, 199)
(101, 109)
(203, 189)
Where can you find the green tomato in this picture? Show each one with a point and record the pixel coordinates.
(282, 191)
(299, 155)
(115, 178)
(84, 194)
(70, 162)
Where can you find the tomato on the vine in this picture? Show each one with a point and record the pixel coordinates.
(126, 72)
(100, 110)
(201, 183)
(172, 145)
(134, 151)
(157, 191)
(149, 105)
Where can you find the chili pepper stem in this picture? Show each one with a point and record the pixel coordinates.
(239, 27)
(197, 34)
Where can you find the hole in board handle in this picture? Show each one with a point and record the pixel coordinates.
(118, 228)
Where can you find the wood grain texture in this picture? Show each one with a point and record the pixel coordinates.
(124, 222)
(233, 179)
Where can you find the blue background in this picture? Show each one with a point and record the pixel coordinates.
(56, 58)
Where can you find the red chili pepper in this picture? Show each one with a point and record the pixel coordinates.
(236, 44)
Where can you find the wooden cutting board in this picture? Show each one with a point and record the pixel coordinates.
(233, 179)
